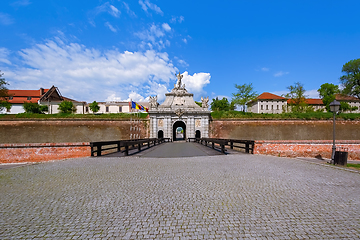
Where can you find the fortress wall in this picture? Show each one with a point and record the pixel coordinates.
(62, 131)
(22, 141)
(284, 129)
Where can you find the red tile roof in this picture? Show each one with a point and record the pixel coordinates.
(310, 101)
(314, 101)
(21, 96)
(342, 97)
(269, 96)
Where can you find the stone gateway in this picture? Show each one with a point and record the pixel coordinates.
(179, 117)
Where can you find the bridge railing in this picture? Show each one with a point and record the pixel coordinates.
(124, 145)
(248, 145)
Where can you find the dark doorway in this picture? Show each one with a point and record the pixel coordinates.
(179, 131)
(197, 134)
(160, 134)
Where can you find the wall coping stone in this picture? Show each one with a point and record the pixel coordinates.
(67, 120)
(306, 141)
(42, 145)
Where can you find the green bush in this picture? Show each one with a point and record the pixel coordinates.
(67, 107)
(30, 107)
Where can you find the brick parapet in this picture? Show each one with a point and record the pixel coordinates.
(39, 152)
(306, 148)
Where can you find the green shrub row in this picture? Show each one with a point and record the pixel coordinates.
(72, 116)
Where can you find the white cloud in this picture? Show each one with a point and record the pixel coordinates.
(145, 5)
(196, 82)
(177, 19)
(184, 40)
(21, 3)
(183, 63)
(280, 73)
(153, 37)
(6, 19)
(114, 11)
(128, 10)
(107, 24)
(312, 93)
(166, 27)
(88, 74)
(4, 52)
(265, 69)
(106, 7)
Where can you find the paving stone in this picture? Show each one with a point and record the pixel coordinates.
(209, 197)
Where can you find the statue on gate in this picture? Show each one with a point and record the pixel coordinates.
(178, 83)
(153, 102)
(204, 102)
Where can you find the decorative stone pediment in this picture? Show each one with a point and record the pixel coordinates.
(179, 112)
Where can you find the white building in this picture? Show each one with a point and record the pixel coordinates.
(115, 107)
(50, 97)
(271, 103)
(267, 103)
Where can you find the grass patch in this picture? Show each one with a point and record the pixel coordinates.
(302, 116)
(70, 116)
(353, 165)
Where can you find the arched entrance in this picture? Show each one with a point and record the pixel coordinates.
(179, 131)
(160, 134)
(197, 134)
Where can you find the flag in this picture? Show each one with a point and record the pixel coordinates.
(133, 105)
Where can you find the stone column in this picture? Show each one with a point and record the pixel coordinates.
(169, 127)
(190, 127)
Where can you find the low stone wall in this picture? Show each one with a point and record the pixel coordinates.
(39, 152)
(306, 148)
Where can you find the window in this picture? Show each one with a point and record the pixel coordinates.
(86, 109)
(261, 107)
(120, 109)
(107, 109)
(11, 98)
(28, 98)
(277, 107)
(267, 107)
(272, 107)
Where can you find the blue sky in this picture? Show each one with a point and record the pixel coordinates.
(117, 50)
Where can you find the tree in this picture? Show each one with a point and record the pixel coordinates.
(220, 105)
(351, 81)
(94, 107)
(327, 93)
(30, 107)
(244, 94)
(4, 94)
(297, 98)
(67, 107)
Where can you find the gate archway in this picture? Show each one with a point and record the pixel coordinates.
(179, 131)
(197, 134)
(160, 134)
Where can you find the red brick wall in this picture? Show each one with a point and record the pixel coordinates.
(39, 152)
(306, 148)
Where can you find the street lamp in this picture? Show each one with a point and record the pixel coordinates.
(334, 107)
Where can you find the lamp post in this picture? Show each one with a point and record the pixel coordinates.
(334, 107)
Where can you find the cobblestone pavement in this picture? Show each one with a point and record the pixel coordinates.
(209, 197)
